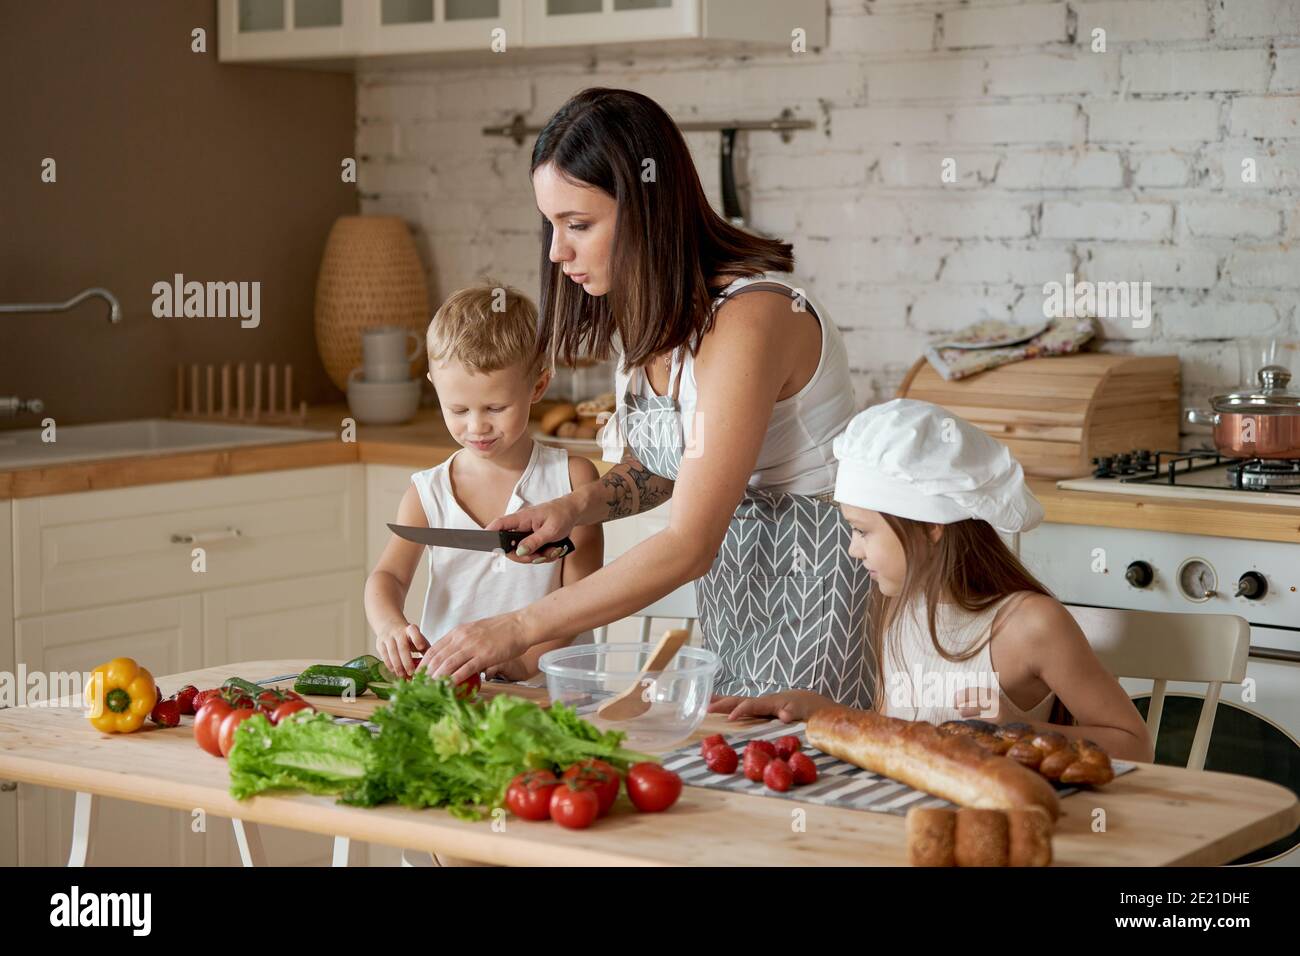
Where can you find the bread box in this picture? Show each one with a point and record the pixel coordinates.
(1056, 414)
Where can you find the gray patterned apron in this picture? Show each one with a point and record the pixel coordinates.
(784, 604)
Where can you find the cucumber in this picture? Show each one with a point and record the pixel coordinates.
(384, 690)
(363, 663)
(331, 680)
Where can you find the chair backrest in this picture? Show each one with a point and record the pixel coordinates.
(1163, 647)
(679, 605)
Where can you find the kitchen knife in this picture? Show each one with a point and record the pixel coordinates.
(474, 540)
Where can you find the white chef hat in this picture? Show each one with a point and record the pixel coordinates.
(916, 460)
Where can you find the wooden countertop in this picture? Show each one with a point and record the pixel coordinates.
(1156, 816)
(421, 443)
(1222, 519)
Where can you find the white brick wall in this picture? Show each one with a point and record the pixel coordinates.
(1125, 165)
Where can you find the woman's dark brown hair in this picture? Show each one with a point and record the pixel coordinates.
(668, 244)
(968, 565)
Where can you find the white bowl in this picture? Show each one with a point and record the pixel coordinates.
(383, 403)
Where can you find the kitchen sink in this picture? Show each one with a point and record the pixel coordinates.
(23, 448)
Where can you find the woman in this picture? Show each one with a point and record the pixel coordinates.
(731, 385)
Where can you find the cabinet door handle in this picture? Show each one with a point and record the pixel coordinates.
(8, 786)
(199, 537)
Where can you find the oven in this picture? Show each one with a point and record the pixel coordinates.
(1257, 724)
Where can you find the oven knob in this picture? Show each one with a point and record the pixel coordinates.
(1139, 574)
(1252, 585)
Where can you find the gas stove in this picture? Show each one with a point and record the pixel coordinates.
(1200, 473)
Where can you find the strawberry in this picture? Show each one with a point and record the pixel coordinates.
(777, 775)
(708, 743)
(803, 769)
(756, 761)
(766, 746)
(722, 759)
(185, 698)
(787, 745)
(166, 713)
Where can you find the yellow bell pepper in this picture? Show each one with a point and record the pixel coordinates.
(120, 696)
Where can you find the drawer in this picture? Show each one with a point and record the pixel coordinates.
(107, 547)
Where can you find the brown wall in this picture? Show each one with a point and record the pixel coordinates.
(167, 162)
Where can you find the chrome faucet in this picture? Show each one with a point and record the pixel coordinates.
(12, 405)
(114, 307)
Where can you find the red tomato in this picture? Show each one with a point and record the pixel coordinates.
(756, 762)
(288, 707)
(722, 759)
(529, 794)
(708, 743)
(787, 745)
(652, 788)
(804, 770)
(574, 808)
(599, 776)
(207, 725)
(469, 686)
(226, 736)
(776, 775)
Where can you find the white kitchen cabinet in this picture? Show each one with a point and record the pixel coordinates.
(385, 486)
(104, 547)
(432, 26)
(252, 30)
(166, 634)
(333, 33)
(551, 23)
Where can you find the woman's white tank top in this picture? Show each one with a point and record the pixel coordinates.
(920, 684)
(796, 456)
(470, 585)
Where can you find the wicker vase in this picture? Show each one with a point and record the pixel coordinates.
(370, 276)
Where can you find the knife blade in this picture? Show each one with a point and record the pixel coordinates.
(470, 540)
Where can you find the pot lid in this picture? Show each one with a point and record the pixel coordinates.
(1273, 395)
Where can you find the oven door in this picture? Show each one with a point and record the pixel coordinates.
(1254, 734)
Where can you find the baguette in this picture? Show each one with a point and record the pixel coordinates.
(917, 754)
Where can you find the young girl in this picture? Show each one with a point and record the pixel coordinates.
(959, 627)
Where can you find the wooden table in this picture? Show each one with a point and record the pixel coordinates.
(1155, 815)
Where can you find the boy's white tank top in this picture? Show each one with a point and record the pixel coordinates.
(918, 680)
(471, 585)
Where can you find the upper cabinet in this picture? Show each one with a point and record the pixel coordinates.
(338, 31)
(432, 26)
(262, 30)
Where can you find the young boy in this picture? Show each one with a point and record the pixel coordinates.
(481, 363)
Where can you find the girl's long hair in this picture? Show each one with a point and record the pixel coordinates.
(668, 242)
(969, 565)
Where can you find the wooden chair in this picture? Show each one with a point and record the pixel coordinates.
(1164, 647)
(679, 605)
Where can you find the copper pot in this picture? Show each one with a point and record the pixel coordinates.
(1259, 424)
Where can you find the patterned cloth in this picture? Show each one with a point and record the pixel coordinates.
(784, 604)
(1061, 337)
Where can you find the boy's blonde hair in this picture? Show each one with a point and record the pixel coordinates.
(485, 328)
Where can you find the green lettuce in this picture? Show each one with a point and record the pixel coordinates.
(433, 749)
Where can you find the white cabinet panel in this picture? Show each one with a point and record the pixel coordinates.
(385, 486)
(568, 22)
(105, 547)
(163, 635)
(317, 618)
(431, 26)
(288, 29)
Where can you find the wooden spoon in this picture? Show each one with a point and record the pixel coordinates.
(632, 702)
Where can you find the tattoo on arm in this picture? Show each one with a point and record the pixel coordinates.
(632, 488)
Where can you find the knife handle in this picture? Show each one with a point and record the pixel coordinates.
(510, 540)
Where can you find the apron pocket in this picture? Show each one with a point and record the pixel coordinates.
(774, 629)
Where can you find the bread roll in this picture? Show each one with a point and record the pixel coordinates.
(931, 837)
(557, 416)
(567, 430)
(981, 838)
(1030, 831)
(917, 754)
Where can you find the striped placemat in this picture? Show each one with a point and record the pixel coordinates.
(838, 784)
